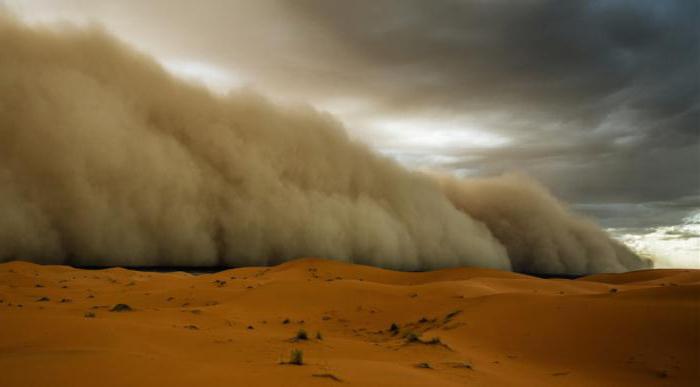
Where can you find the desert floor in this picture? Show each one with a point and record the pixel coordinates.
(237, 327)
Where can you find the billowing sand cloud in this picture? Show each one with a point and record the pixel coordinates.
(541, 235)
(105, 159)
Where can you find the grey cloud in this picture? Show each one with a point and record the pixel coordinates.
(601, 98)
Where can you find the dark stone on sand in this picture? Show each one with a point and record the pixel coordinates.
(121, 308)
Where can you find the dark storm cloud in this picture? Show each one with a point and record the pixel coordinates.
(628, 215)
(601, 98)
(563, 54)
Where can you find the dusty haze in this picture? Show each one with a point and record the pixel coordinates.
(105, 159)
(540, 234)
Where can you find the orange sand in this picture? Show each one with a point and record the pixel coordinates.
(188, 330)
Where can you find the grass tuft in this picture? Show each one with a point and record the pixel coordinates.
(412, 337)
(394, 328)
(296, 357)
(301, 335)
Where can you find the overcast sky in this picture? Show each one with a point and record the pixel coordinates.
(600, 100)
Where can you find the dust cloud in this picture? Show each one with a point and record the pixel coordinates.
(106, 159)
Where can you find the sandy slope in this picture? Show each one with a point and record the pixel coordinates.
(631, 329)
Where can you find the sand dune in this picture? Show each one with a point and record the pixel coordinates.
(235, 327)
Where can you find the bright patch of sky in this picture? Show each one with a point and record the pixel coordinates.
(214, 78)
(668, 246)
(436, 134)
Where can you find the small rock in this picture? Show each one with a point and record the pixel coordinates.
(121, 308)
(465, 364)
(327, 376)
